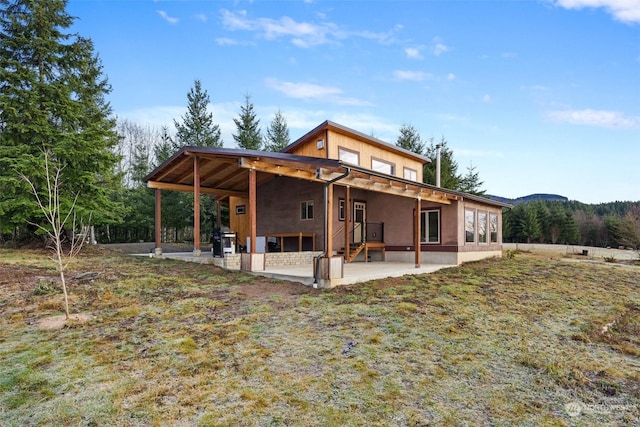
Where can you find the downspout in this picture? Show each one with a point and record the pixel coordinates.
(326, 215)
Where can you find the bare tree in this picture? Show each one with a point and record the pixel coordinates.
(56, 221)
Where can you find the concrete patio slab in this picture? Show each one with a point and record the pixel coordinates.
(356, 272)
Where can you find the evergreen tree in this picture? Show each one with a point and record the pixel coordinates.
(52, 98)
(277, 134)
(248, 126)
(470, 183)
(165, 149)
(570, 233)
(529, 225)
(410, 139)
(448, 167)
(197, 128)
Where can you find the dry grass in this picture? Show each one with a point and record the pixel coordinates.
(498, 342)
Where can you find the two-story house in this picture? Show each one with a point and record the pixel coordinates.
(339, 194)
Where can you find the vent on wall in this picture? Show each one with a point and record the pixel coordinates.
(320, 144)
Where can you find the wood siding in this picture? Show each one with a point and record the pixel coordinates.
(368, 152)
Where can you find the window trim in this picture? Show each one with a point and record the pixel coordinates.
(493, 215)
(392, 166)
(425, 229)
(348, 151)
(404, 174)
(304, 210)
(479, 227)
(341, 209)
(473, 224)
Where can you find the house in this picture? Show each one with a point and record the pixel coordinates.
(333, 196)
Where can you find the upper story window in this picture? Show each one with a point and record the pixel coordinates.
(349, 156)
(410, 174)
(382, 166)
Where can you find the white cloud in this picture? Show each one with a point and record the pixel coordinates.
(627, 11)
(451, 76)
(166, 17)
(413, 53)
(201, 17)
(312, 91)
(416, 76)
(226, 41)
(300, 34)
(439, 47)
(599, 118)
(486, 98)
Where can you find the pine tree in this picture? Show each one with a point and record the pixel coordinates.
(448, 167)
(197, 128)
(470, 183)
(165, 149)
(248, 126)
(52, 98)
(277, 134)
(410, 140)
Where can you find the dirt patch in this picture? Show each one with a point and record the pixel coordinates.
(263, 289)
(58, 322)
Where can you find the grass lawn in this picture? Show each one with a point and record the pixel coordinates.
(532, 340)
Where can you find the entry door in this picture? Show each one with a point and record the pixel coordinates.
(359, 222)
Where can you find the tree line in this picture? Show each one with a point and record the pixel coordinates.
(614, 224)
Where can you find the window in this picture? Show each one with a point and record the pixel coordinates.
(430, 226)
(469, 226)
(306, 210)
(493, 228)
(349, 156)
(341, 212)
(241, 210)
(482, 227)
(382, 166)
(410, 174)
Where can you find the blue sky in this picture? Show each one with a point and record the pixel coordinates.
(539, 96)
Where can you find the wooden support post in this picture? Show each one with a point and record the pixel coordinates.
(218, 214)
(196, 206)
(416, 238)
(252, 210)
(158, 249)
(347, 222)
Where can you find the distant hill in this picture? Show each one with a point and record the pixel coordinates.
(530, 198)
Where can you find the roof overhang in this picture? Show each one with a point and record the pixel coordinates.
(224, 172)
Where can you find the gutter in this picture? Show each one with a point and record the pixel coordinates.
(326, 216)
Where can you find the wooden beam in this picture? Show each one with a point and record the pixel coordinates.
(190, 189)
(158, 225)
(416, 237)
(277, 169)
(347, 222)
(171, 169)
(196, 205)
(252, 210)
(328, 245)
